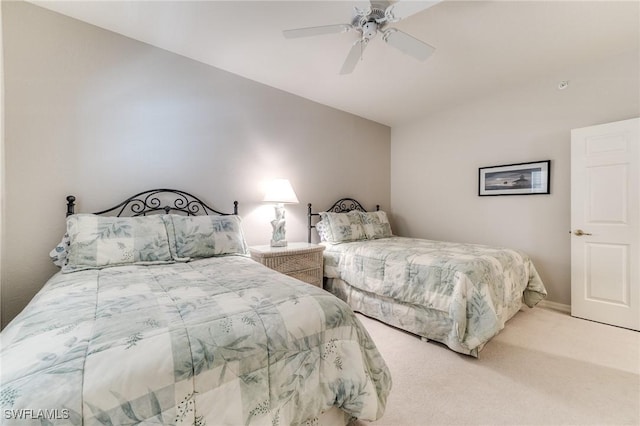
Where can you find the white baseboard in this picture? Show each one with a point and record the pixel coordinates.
(555, 306)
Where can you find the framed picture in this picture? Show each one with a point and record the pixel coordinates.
(515, 179)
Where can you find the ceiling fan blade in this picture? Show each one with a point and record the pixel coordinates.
(353, 56)
(313, 31)
(408, 44)
(404, 9)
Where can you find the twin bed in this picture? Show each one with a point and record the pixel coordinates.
(162, 318)
(457, 294)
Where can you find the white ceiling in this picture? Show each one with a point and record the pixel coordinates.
(482, 46)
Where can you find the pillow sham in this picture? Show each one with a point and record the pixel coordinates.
(171, 234)
(205, 236)
(343, 227)
(376, 224)
(99, 241)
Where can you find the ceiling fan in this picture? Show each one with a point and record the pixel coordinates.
(368, 22)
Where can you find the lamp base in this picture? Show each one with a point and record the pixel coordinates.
(278, 237)
(280, 243)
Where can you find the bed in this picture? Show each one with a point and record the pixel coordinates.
(460, 295)
(160, 317)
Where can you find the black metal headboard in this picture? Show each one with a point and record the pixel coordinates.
(155, 200)
(343, 205)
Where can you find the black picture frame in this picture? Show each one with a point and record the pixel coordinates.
(515, 179)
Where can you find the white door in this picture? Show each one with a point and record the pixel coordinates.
(605, 223)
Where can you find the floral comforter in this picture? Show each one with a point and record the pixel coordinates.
(215, 341)
(465, 292)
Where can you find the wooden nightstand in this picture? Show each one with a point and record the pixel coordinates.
(299, 260)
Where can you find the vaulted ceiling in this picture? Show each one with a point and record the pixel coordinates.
(481, 46)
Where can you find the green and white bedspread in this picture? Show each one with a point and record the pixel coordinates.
(464, 293)
(216, 341)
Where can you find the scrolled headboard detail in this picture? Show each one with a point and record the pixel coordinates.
(156, 200)
(343, 205)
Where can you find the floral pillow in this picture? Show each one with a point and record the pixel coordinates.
(323, 233)
(98, 241)
(59, 254)
(205, 236)
(376, 224)
(343, 227)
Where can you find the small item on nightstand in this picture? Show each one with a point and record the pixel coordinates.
(279, 192)
(298, 260)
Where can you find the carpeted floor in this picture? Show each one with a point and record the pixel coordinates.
(544, 368)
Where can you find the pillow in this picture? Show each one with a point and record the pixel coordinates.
(59, 254)
(376, 224)
(171, 234)
(342, 227)
(323, 233)
(206, 236)
(98, 241)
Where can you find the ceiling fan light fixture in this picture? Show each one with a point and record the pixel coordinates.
(369, 30)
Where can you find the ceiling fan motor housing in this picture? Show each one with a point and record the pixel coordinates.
(369, 21)
(369, 29)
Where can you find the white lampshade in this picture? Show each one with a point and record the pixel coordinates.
(280, 191)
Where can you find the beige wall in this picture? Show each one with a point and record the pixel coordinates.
(100, 116)
(435, 161)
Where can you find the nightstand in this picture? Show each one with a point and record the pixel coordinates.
(298, 260)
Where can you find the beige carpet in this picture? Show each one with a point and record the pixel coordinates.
(544, 368)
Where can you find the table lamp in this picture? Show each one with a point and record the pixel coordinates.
(280, 192)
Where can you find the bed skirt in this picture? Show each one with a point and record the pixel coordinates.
(429, 323)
